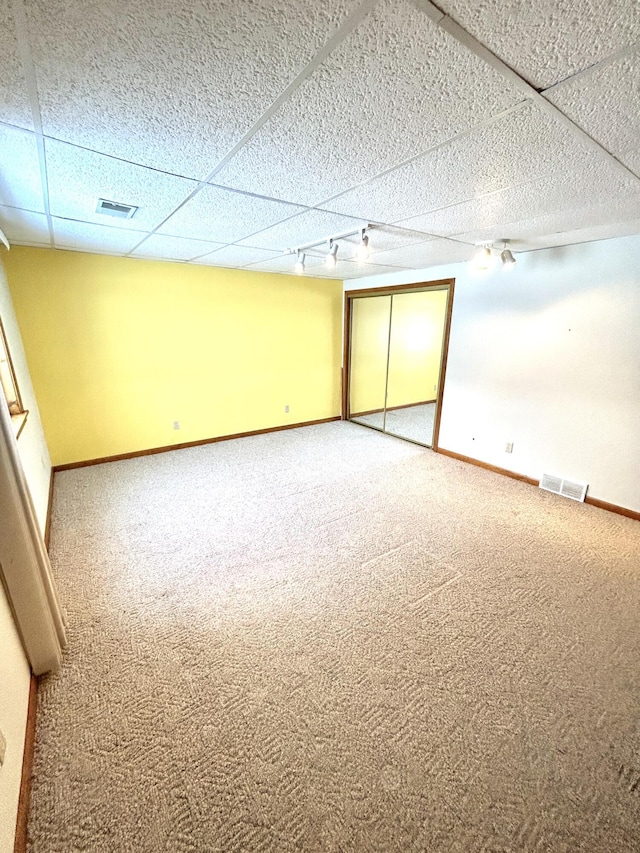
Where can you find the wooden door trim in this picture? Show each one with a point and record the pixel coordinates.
(447, 284)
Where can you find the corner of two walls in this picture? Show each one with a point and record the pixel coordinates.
(546, 356)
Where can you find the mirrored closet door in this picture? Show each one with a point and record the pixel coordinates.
(396, 351)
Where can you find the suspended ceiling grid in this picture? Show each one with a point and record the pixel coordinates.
(242, 129)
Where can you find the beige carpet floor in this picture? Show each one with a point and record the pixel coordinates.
(328, 639)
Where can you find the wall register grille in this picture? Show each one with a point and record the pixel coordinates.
(566, 488)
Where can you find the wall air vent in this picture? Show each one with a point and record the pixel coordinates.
(115, 208)
(566, 488)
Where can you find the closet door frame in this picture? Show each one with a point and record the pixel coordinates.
(441, 284)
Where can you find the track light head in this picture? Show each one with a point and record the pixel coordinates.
(362, 251)
(482, 258)
(508, 261)
(299, 267)
(332, 255)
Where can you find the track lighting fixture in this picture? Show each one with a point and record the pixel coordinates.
(332, 255)
(482, 258)
(362, 252)
(508, 261)
(331, 258)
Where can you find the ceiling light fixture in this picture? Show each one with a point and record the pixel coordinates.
(508, 261)
(362, 249)
(362, 252)
(332, 255)
(482, 258)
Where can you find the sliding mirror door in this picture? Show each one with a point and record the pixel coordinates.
(415, 352)
(396, 351)
(370, 322)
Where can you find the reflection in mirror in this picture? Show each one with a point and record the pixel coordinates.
(415, 350)
(370, 319)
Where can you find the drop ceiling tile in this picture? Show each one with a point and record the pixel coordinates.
(547, 41)
(163, 247)
(20, 183)
(518, 148)
(605, 102)
(612, 218)
(223, 216)
(170, 83)
(235, 256)
(395, 87)
(384, 238)
(587, 235)
(78, 178)
(631, 160)
(88, 237)
(14, 99)
(24, 226)
(564, 190)
(422, 254)
(285, 264)
(347, 270)
(308, 227)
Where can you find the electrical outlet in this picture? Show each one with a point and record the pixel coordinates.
(3, 748)
(176, 424)
(286, 409)
(508, 448)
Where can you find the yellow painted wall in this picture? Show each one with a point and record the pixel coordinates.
(119, 349)
(415, 345)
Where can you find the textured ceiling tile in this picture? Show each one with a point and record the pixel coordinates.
(14, 99)
(397, 86)
(22, 226)
(235, 256)
(78, 178)
(87, 237)
(162, 246)
(586, 235)
(223, 216)
(347, 270)
(546, 41)
(518, 148)
(631, 160)
(562, 190)
(286, 264)
(20, 183)
(421, 255)
(612, 218)
(605, 102)
(170, 83)
(309, 227)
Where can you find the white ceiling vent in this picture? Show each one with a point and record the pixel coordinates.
(115, 208)
(566, 488)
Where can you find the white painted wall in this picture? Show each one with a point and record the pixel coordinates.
(547, 356)
(15, 673)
